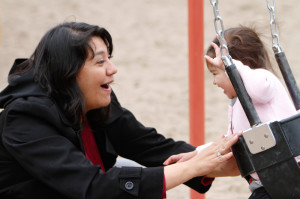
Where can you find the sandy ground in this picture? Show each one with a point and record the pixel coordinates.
(151, 52)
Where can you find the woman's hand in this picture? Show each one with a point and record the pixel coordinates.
(215, 156)
(181, 157)
(227, 168)
(209, 162)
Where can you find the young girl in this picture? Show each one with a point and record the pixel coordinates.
(268, 95)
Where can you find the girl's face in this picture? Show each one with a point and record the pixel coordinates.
(222, 80)
(96, 75)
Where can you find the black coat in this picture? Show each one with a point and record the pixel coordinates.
(41, 154)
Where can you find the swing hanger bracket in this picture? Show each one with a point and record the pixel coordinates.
(276, 49)
(227, 61)
(259, 138)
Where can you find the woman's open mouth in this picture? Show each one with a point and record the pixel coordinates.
(105, 86)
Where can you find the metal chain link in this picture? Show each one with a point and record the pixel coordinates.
(274, 28)
(226, 58)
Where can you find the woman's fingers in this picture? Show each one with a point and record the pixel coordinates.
(219, 157)
(224, 145)
(228, 167)
(228, 141)
(225, 157)
(214, 155)
(171, 159)
(182, 157)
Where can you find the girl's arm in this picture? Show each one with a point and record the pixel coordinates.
(259, 83)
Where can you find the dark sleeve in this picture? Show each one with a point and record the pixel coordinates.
(144, 145)
(34, 136)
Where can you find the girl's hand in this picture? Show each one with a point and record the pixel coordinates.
(217, 61)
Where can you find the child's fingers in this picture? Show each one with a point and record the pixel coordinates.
(209, 59)
(216, 47)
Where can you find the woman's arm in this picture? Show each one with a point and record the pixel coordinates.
(145, 145)
(131, 139)
(43, 146)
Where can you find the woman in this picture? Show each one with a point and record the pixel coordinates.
(62, 129)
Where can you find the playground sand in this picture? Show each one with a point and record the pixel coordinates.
(151, 52)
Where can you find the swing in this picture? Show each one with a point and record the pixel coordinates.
(266, 148)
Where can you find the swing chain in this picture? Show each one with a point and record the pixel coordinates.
(226, 58)
(274, 28)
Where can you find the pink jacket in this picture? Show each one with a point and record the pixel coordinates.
(268, 95)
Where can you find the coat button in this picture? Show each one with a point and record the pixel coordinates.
(129, 185)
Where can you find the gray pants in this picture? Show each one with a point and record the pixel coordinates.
(255, 184)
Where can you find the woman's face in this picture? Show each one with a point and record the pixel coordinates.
(222, 80)
(96, 75)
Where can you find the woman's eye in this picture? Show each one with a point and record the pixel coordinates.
(104, 60)
(101, 61)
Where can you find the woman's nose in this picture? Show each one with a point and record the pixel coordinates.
(111, 69)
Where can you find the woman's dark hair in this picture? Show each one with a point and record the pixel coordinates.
(58, 59)
(245, 45)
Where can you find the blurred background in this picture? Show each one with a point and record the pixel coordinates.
(151, 51)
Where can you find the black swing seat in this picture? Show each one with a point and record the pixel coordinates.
(269, 149)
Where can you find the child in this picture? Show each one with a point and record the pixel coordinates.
(268, 95)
